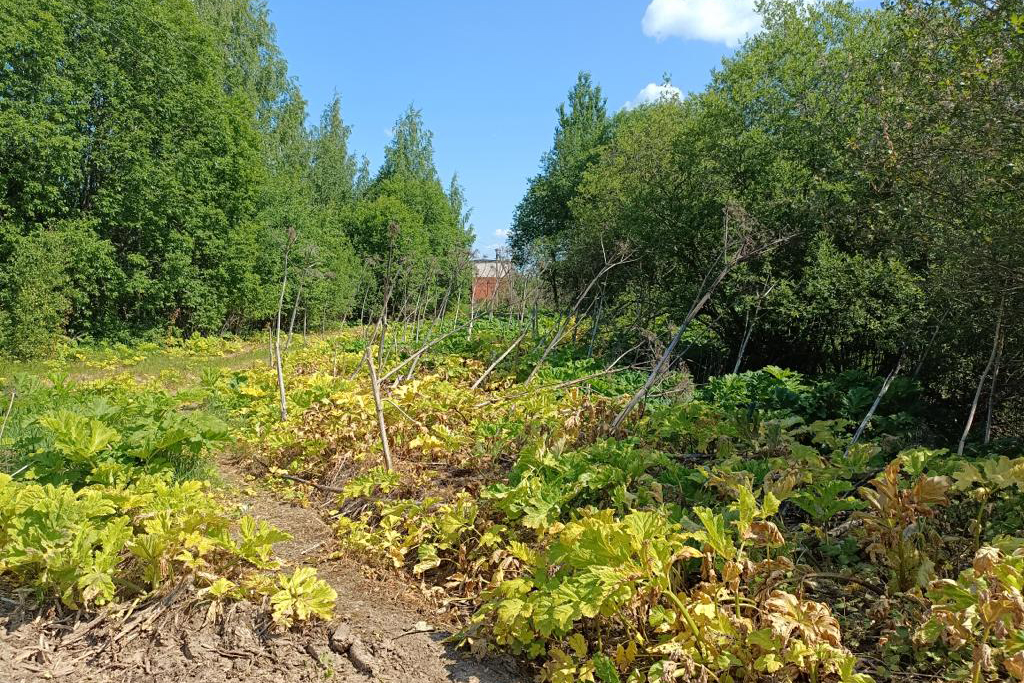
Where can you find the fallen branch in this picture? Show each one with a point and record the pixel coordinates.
(874, 406)
(421, 351)
(298, 480)
(375, 386)
(498, 360)
(553, 387)
(841, 577)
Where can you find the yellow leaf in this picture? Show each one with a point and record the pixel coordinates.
(578, 644)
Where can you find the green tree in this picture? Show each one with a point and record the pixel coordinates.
(544, 217)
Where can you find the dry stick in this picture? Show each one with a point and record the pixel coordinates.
(438, 315)
(874, 406)
(277, 339)
(369, 350)
(362, 306)
(458, 307)
(403, 311)
(533, 319)
(270, 336)
(410, 417)
(419, 315)
(383, 318)
(7, 415)
(412, 369)
(667, 353)
(748, 328)
(498, 360)
(307, 482)
(300, 480)
(560, 332)
(578, 319)
(841, 577)
(291, 325)
(981, 384)
(597, 323)
(422, 350)
(430, 336)
(3, 428)
(375, 385)
(523, 299)
(991, 393)
(655, 376)
(552, 387)
(924, 353)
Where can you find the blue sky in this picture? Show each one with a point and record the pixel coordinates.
(488, 75)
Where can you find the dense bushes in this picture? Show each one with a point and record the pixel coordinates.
(879, 147)
(98, 505)
(731, 534)
(154, 162)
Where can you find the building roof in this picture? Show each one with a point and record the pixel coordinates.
(491, 267)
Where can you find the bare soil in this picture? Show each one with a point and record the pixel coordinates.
(378, 630)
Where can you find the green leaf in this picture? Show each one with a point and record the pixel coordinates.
(715, 532)
(604, 667)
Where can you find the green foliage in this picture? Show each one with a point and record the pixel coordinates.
(144, 431)
(733, 535)
(105, 541)
(547, 484)
(980, 612)
(100, 509)
(302, 596)
(892, 244)
(154, 188)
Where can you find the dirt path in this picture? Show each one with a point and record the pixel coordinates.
(181, 642)
(385, 616)
(175, 639)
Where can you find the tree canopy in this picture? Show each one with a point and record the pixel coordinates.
(888, 170)
(156, 156)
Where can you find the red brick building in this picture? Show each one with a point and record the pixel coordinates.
(489, 277)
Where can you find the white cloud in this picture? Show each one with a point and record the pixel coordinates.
(501, 233)
(716, 21)
(652, 92)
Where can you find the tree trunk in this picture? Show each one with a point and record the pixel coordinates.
(667, 353)
(874, 406)
(277, 338)
(992, 393)
(981, 384)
